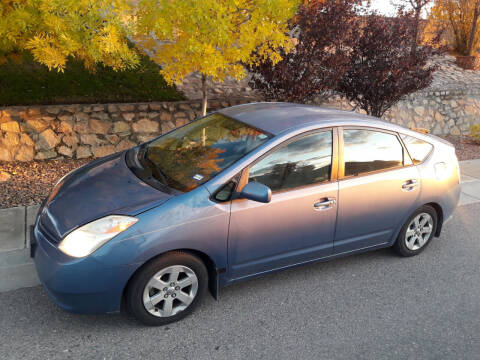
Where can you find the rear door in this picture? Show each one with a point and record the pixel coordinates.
(378, 188)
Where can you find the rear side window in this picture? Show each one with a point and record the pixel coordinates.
(418, 149)
(305, 161)
(367, 150)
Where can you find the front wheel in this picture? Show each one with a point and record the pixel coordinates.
(167, 289)
(417, 232)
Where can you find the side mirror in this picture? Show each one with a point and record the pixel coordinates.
(256, 192)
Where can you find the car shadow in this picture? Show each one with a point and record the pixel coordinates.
(294, 274)
(288, 278)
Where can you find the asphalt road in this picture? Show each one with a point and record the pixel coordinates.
(369, 306)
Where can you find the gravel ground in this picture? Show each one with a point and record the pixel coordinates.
(465, 147)
(28, 183)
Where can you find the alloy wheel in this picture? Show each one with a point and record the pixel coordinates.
(419, 231)
(170, 291)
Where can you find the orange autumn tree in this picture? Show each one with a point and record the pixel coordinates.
(461, 18)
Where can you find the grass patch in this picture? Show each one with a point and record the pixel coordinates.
(28, 83)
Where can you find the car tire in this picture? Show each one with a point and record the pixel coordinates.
(167, 288)
(413, 237)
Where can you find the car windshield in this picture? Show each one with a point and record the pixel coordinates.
(191, 155)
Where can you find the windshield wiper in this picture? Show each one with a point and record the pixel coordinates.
(156, 170)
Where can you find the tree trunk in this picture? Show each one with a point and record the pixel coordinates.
(474, 29)
(204, 95)
(415, 30)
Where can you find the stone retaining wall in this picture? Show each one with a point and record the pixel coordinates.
(441, 112)
(80, 131)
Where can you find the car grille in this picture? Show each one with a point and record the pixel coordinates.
(47, 234)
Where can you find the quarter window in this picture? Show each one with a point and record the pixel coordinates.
(418, 149)
(305, 161)
(225, 193)
(366, 151)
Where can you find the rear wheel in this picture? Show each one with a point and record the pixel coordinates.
(167, 289)
(417, 232)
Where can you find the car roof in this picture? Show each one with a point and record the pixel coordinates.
(278, 117)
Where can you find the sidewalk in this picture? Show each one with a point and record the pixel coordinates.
(470, 179)
(17, 269)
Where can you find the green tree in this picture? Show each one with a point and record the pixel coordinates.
(216, 38)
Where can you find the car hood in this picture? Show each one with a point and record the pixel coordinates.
(103, 187)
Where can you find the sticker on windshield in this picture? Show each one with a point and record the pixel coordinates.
(262, 136)
(198, 177)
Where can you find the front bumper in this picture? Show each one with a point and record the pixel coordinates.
(84, 285)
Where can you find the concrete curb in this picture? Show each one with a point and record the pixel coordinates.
(17, 269)
(14, 223)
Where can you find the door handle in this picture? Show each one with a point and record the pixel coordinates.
(325, 204)
(409, 185)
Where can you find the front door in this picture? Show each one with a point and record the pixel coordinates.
(298, 224)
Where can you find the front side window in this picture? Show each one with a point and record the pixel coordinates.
(418, 149)
(367, 150)
(191, 155)
(305, 161)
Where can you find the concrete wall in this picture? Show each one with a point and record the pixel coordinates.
(80, 131)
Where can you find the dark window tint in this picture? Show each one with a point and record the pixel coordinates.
(418, 149)
(305, 161)
(366, 151)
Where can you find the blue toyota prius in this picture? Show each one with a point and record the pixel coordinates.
(238, 193)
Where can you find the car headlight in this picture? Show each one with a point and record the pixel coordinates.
(88, 238)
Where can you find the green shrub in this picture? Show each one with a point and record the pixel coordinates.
(28, 83)
(475, 132)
